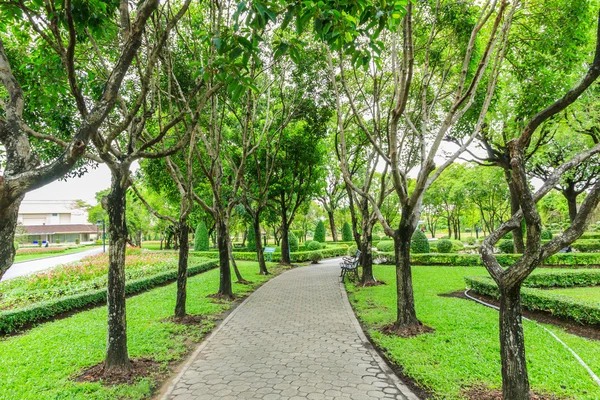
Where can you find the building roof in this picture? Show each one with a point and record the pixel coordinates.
(50, 207)
(52, 229)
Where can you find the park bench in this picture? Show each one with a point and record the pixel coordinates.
(237, 245)
(269, 253)
(349, 265)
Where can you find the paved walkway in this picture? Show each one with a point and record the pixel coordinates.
(294, 338)
(28, 267)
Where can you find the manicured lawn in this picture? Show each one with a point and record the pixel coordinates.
(30, 257)
(591, 294)
(41, 363)
(464, 349)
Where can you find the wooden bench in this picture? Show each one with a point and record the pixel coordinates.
(269, 253)
(349, 265)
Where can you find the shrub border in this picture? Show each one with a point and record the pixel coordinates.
(298, 256)
(12, 320)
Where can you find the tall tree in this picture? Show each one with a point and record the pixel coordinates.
(58, 29)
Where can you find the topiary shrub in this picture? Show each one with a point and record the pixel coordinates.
(352, 250)
(375, 238)
(77, 241)
(385, 246)
(419, 243)
(319, 232)
(201, 238)
(471, 241)
(346, 232)
(547, 234)
(293, 241)
(444, 246)
(315, 257)
(251, 240)
(506, 246)
(313, 245)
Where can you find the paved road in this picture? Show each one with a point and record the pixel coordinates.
(294, 338)
(28, 267)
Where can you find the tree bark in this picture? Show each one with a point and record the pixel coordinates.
(571, 197)
(238, 275)
(8, 224)
(260, 255)
(366, 255)
(332, 225)
(514, 208)
(117, 357)
(286, 257)
(515, 383)
(406, 314)
(225, 287)
(184, 250)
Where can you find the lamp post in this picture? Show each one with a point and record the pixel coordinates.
(103, 234)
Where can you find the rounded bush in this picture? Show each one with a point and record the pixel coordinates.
(319, 232)
(293, 241)
(547, 234)
(444, 246)
(444, 237)
(506, 246)
(471, 241)
(315, 256)
(313, 245)
(375, 238)
(352, 250)
(346, 232)
(386, 246)
(419, 243)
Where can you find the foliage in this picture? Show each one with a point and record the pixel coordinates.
(319, 235)
(471, 241)
(546, 234)
(201, 242)
(352, 250)
(386, 246)
(506, 246)
(419, 243)
(313, 245)
(347, 232)
(444, 246)
(251, 240)
(462, 352)
(293, 241)
(315, 256)
(298, 256)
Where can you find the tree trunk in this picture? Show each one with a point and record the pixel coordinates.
(225, 288)
(117, 357)
(8, 224)
(184, 250)
(260, 255)
(366, 256)
(332, 225)
(286, 257)
(571, 197)
(406, 314)
(449, 223)
(515, 383)
(238, 275)
(514, 208)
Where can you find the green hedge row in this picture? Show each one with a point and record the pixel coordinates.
(466, 260)
(11, 320)
(545, 300)
(298, 256)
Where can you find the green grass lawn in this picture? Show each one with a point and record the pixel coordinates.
(464, 349)
(591, 294)
(30, 257)
(40, 363)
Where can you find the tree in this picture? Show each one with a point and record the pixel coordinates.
(333, 194)
(319, 235)
(409, 118)
(515, 382)
(252, 242)
(201, 238)
(63, 31)
(346, 232)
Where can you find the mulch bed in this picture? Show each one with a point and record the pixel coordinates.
(411, 331)
(544, 317)
(483, 393)
(140, 368)
(189, 320)
(219, 298)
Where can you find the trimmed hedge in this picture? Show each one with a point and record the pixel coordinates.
(313, 245)
(386, 246)
(586, 245)
(419, 244)
(590, 235)
(11, 320)
(474, 260)
(538, 299)
(506, 246)
(444, 246)
(298, 256)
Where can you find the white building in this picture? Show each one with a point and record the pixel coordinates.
(56, 221)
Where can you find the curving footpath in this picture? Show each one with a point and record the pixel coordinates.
(294, 338)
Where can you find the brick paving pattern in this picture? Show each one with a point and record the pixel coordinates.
(294, 338)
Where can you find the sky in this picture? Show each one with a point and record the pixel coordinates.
(83, 188)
